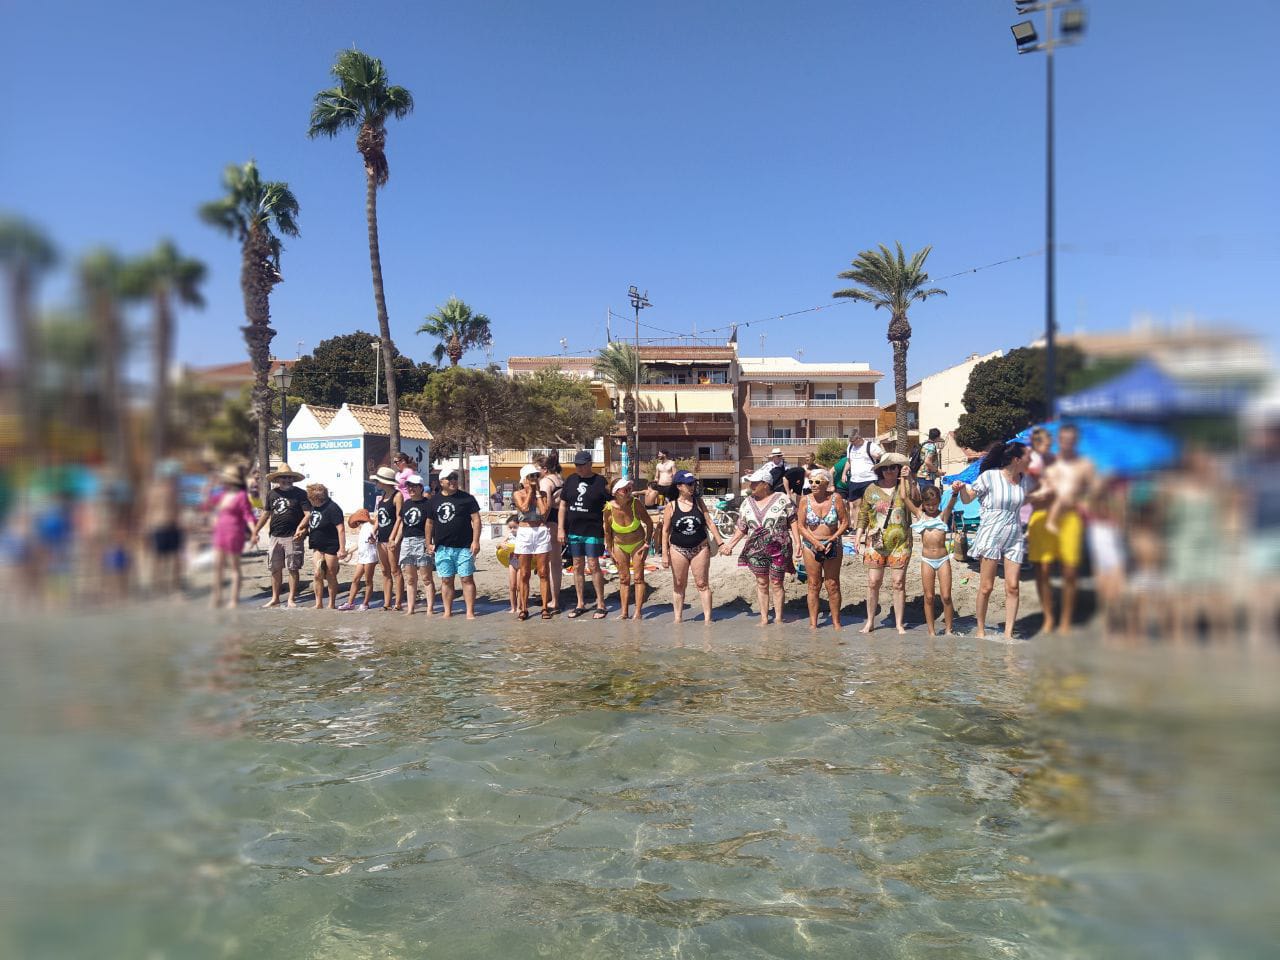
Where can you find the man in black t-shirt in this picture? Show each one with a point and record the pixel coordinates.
(453, 535)
(582, 500)
(287, 511)
(327, 532)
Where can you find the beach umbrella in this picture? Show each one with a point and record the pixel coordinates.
(626, 461)
(1145, 392)
(1118, 447)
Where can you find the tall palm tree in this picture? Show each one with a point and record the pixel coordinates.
(618, 364)
(167, 279)
(457, 329)
(101, 282)
(893, 282)
(363, 100)
(256, 212)
(25, 254)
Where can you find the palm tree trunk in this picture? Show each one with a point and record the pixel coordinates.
(255, 285)
(380, 301)
(107, 325)
(900, 395)
(26, 368)
(163, 345)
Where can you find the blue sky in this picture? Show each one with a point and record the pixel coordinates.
(731, 158)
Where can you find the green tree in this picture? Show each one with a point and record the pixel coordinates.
(893, 282)
(457, 329)
(342, 370)
(362, 101)
(618, 364)
(25, 255)
(829, 451)
(468, 410)
(1005, 395)
(168, 280)
(256, 212)
(557, 410)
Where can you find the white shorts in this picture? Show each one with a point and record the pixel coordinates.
(1106, 549)
(533, 540)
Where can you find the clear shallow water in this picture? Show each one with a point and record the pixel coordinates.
(295, 786)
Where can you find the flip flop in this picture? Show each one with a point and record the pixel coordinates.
(547, 614)
(576, 612)
(599, 614)
(522, 615)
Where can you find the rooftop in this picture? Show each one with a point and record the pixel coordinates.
(792, 368)
(376, 421)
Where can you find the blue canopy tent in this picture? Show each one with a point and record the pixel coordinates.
(1145, 392)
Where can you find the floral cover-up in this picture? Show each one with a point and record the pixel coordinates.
(767, 550)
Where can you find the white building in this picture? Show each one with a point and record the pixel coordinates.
(937, 401)
(341, 447)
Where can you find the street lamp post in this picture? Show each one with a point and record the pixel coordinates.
(639, 301)
(1024, 36)
(283, 378)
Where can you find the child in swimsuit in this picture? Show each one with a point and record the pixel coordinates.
(931, 523)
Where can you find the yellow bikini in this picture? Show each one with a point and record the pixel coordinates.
(634, 525)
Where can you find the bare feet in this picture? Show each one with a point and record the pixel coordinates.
(867, 627)
(273, 602)
(902, 631)
(835, 625)
(471, 616)
(623, 616)
(292, 605)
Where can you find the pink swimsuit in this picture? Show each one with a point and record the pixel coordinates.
(231, 528)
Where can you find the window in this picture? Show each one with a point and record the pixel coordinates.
(704, 453)
(825, 393)
(779, 433)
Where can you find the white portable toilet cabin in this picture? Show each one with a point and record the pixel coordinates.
(341, 447)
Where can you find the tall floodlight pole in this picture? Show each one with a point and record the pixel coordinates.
(638, 301)
(1024, 35)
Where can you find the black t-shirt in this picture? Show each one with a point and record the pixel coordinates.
(325, 521)
(451, 518)
(414, 516)
(385, 517)
(795, 477)
(584, 501)
(777, 469)
(286, 507)
(688, 529)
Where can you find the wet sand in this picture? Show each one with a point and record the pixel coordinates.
(733, 591)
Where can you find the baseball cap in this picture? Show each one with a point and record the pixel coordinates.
(581, 457)
(762, 475)
(684, 476)
(529, 470)
(449, 475)
(620, 483)
(414, 480)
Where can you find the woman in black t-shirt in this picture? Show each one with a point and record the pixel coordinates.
(328, 538)
(386, 512)
(685, 529)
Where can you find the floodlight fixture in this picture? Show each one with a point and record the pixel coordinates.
(1072, 22)
(1024, 34)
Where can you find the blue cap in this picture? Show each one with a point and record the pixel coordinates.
(684, 476)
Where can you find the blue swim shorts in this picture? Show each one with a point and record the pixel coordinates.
(451, 560)
(580, 546)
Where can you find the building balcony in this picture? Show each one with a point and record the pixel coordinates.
(848, 409)
(683, 398)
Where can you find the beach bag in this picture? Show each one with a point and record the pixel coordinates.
(877, 536)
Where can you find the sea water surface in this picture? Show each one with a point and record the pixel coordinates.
(306, 785)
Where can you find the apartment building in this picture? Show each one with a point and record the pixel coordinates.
(690, 408)
(795, 406)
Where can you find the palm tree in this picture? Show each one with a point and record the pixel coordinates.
(618, 364)
(255, 212)
(363, 100)
(168, 279)
(458, 331)
(25, 254)
(101, 282)
(896, 283)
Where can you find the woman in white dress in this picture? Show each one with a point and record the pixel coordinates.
(1002, 487)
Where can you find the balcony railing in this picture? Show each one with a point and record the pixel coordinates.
(788, 441)
(803, 402)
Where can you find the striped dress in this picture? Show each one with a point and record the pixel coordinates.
(1000, 528)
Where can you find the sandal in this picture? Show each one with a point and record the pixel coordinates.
(522, 615)
(547, 613)
(576, 612)
(599, 614)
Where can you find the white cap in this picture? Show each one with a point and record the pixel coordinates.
(622, 482)
(415, 479)
(762, 475)
(529, 470)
